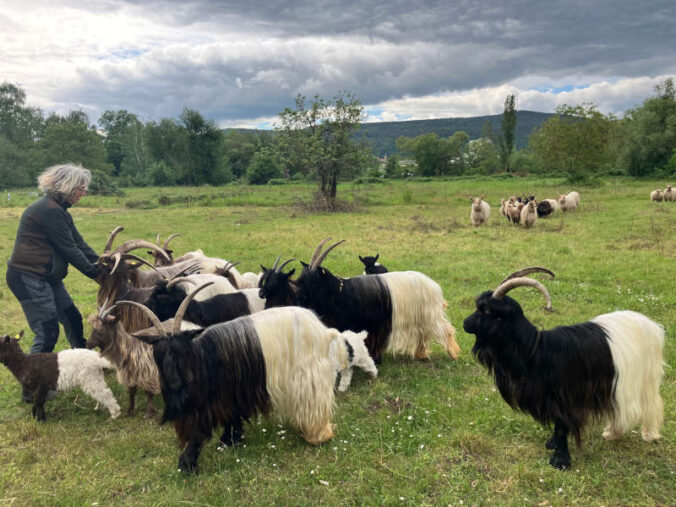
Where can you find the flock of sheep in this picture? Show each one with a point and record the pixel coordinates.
(222, 346)
(523, 210)
(668, 195)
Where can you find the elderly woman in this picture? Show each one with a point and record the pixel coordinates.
(46, 242)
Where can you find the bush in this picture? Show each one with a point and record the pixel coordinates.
(102, 185)
(263, 168)
(162, 175)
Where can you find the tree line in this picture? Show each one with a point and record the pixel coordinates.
(316, 140)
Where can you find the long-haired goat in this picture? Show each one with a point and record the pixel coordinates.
(529, 214)
(401, 311)
(480, 212)
(273, 361)
(132, 358)
(569, 202)
(371, 265)
(547, 207)
(608, 367)
(669, 194)
(60, 371)
(656, 195)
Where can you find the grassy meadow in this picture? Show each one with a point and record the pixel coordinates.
(423, 433)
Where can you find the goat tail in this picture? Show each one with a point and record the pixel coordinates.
(636, 344)
(451, 345)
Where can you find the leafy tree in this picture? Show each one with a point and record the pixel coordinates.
(317, 138)
(238, 150)
(481, 156)
(264, 167)
(71, 139)
(204, 148)
(507, 133)
(168, 142)
(19, 123)
(133, 150)
(650, 132)
(435, 156)
(392, 167)
(575, 141)
(13, 165)
(114, 126)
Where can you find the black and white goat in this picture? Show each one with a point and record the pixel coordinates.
(274, 361)
(371, 265)
(167, 296)
(608, 367)
(401, 311)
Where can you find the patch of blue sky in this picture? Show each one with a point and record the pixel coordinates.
(377, 113)
(123, 54)
(559, 89)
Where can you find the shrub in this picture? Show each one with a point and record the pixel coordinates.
(263, 168)
(102, 185)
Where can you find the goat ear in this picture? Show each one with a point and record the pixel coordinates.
(377, 255)
(291, 272)
(152, 340)
(265, 270)
(19, 336)
(305, 265)
(361, 259)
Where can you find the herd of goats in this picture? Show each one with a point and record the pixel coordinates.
(222, 346)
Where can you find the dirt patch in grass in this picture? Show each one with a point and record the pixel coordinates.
(395, 405)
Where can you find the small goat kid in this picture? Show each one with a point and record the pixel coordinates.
(62, 371)
(371, 265)
(610, 366)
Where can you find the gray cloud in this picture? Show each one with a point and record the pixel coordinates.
(247, 60)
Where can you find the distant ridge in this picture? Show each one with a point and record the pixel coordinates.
(382, 136)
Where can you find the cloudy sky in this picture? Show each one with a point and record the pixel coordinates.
(241, 62)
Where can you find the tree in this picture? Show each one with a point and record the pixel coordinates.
(19, 123)
(392, 167)
(204, 148)
(264, 167)
(650, 132)
(507, 133)
(317, 138)
(114, 125)
(238, 150)
(435, 156)
(575, 141)
(71, 139)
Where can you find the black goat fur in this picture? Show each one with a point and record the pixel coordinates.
(216, 378)
(219, 308)
(370, 265)
(562, 376)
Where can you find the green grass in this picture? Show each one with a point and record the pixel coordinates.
(432, 432)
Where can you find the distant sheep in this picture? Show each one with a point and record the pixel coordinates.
(547, 207)
(481, 211)
(62, 371)
(570, 201)
(656, 195)
(669, 194)
(529, 214)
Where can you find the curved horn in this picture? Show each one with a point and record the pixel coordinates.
(317, 250)
(323, 255)
(142, 261)
(111, 238)
(133, 244)
(149, 313)
(117, 257)
(184, 306)
(179, 279)
(274, 266)
(504, 288)
(166, 241)
(285, 263)
(527, 271)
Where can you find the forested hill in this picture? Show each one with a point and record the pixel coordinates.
(382, 136)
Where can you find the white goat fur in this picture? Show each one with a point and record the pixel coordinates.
(340, 356)
(570, 201)
(209, 265)
(636, 344)
(480, 212)
(84, 369)
(529, 214)
(554, 204)
(250, 280)
(669, 194)
(221, 286)
(418, 315)
(656, 195)
(299, 373)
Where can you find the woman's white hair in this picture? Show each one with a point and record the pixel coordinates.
(63, 179)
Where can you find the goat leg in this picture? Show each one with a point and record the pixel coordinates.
(232, 432)
(559, 442)
(151, 411)
(38, 410)
(132, 400)
(187, 461)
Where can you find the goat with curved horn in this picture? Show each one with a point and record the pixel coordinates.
(184, 306)
(609, 367)
(318, 261)
(111, 238)
(528, 271)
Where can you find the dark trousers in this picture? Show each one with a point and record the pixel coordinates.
(46, 305)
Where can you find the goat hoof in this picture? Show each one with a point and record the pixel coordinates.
(186, 467)
(550, 444)
(560, 462)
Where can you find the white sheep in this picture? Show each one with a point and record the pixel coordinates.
(480, 212)
(656, 195)
(570, 201)
(669, 194)
(529, 214)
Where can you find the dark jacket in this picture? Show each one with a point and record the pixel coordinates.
(47, 241)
